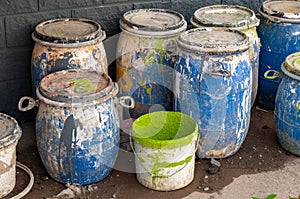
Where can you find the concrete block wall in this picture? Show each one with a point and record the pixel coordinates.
(19, 18)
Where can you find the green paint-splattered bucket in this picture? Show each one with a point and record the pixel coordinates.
(164, 146)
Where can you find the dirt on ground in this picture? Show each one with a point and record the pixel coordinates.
(260, 152)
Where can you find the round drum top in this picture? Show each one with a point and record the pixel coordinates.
(9, 130)
(213, 40)
(68, 30)
(147, 21)
(286, 9)
(75, 86)
(225, 16)
(291, 66)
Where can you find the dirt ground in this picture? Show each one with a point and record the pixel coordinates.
(259, 153)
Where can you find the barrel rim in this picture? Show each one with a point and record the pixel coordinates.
(97, 35)
(251, 22)
(98, 97)
(137, 29)
(288, 69)
(276, 16)
(12, 137)
(213, 49)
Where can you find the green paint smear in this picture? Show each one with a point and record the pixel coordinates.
(160, 165)
(297, 62)
(164, 129)
(83, 85)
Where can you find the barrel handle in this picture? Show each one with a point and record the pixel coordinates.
(122, 101)
(218, 71)
(162, 176)
(272, 74)
(31, 103)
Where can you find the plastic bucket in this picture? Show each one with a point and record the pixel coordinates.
(287, 105)
(279, 36)
(10, 133)
(164, 145)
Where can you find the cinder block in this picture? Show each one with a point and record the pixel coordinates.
(15, 63)
(161, 5)
(19, 28)
(107, 16)
(188, 7)
(19, 6)
(62, 4)
(2, 33)
(10, 93)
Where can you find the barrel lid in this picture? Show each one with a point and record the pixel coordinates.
(286, 9)
(75, 86)
(153, 22)
(230, 16)
(291, 66)
(213, 40)
(9, 130)
(68, 30)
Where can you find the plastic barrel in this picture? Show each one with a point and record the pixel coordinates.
(146, 53)
(278, 32)
(213, 85)
(287, 105)
(236, 18)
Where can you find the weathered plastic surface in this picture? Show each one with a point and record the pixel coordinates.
(67, 44)
(145, 57)
(236, 18)
(213, 85)
(287, 106)
(279, 36)
(10, 134)
(77, 140)
(164, 149)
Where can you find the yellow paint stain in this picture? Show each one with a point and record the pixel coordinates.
(123, 79)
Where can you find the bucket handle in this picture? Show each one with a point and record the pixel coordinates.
(218, 71)
(31, 103)
(272, 74)
(162, 176)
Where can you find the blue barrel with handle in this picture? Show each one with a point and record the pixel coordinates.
(77, 125)
(213, 85)
(279, 35)
(236, 18)
(287, 105)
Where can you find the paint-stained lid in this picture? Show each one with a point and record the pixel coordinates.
(291, 65)
(10, 131)
(76, 86)
(68, 30)
(281, 10)
(237, 17)
(213, 40)
(151, 22)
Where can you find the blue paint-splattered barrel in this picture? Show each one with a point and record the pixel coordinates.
(213, 85)
(279, 35)
(67, 44)
(236, 18)
(145, 57)
(287, 105)
(77, 125)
